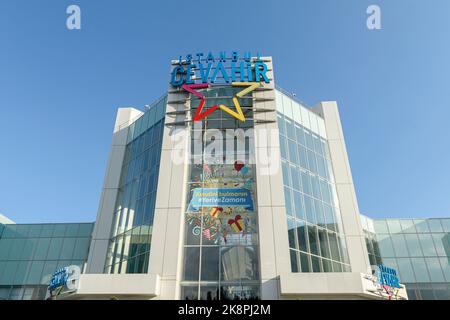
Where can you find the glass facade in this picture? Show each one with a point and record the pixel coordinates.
(30, 253)
(221, 258)
(418, 248)
(129, 248)
(316, 237)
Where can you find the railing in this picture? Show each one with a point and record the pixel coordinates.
(292, 96)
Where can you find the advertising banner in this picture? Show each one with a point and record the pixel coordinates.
(220, 197)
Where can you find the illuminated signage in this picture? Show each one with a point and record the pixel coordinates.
(64, 280)
(388, 277)
(203, 71)
(198, 69)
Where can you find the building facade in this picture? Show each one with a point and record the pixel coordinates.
(228, 188)
(30, 254)
(419, 249)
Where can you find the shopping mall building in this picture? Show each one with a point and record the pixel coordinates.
(227, 188)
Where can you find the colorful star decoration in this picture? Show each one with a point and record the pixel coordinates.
(238, 114)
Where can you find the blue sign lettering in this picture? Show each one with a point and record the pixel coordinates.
(200, 66)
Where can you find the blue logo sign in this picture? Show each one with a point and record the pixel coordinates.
(221, 197)
(59, 278)
(227, 68)
(388, 277)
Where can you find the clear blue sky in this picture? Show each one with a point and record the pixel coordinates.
(59, 89)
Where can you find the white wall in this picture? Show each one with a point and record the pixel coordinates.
(105, 213)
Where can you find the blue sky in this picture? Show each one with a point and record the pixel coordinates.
(59, 90)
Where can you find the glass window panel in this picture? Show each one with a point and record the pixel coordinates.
(67, 248)
(317, 146)
(313, 240)
(316, 264)
(427, 245)
(288, 201)
(441, 243)
(283, 148)
(312, 162)
(286, 175)
(45, 230)
(304, 262)
(302, 235)
(71, 230)
(9, 231)
(315, 187)
(22, 273)
(22, 230)
(427, 294)
(434, 267)
(16, 294)
(324, 248)
(298, 205)
(319, 213)
(42, 249)
(293, 153)
(441, 293)
(55, 248)
(420, 269)
(334, 247)
(306, 185)
(303, 158)
(81, 249)
(291, 232)
(321, 166)
(329, 217)
(295, 177)
(281, 124)
(406, 273)
(412, 241)
(191, 263)
(210, 264)
(399, 245)
(290, 129)
(343, 249)
(407, 226)
(421, 225)
(394, 226)
(59, 230)
(325, 191)
(308, 138)
(294, 261)
(445, 265)
(9, 272)
(16, 249)
(309, 210)
(189, 292)
(380, 226)
(435, 225)
(34, 276)
(327, 265)
(209, 293)
(385, 245)
(446, 224)
(300, 135)
(85, 229)
(337, 267)
(28, 249)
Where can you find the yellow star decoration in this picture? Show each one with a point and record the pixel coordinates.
(238, 114)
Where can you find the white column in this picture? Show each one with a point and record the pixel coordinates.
(105, 213)
(351, 220)
(273, 236)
